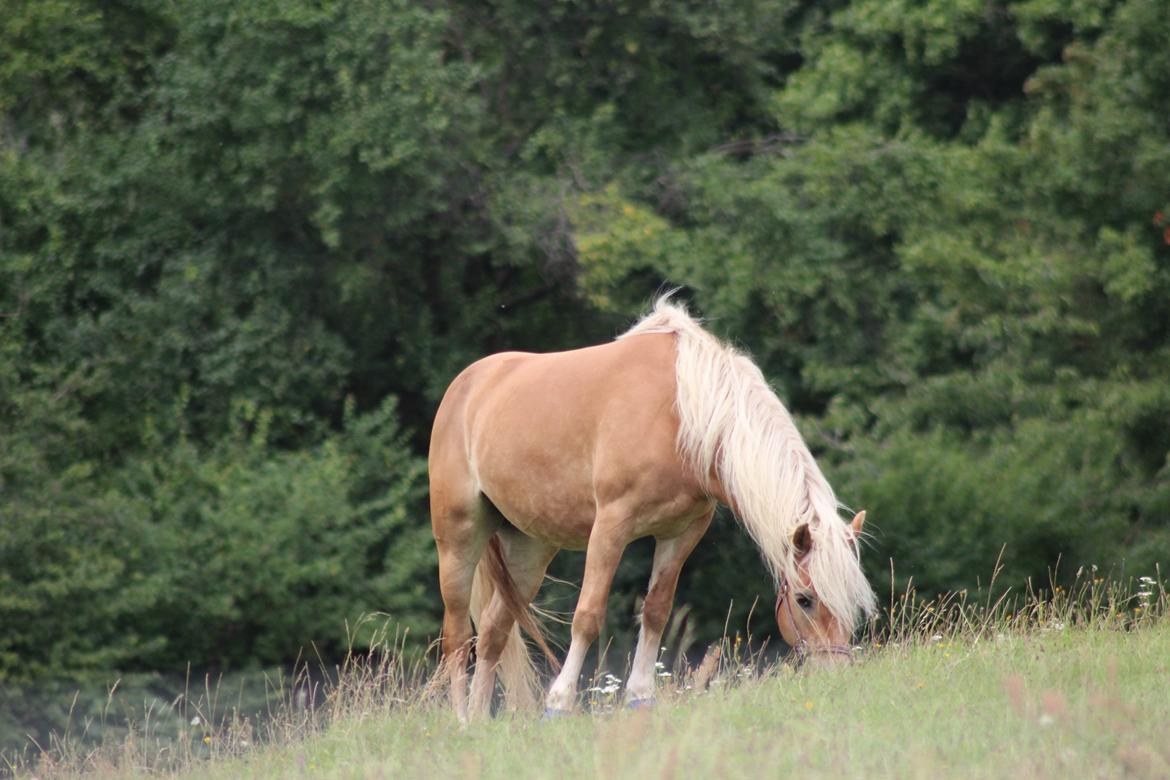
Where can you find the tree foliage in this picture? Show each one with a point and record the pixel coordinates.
(228, 234)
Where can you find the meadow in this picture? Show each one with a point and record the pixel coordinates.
(1052, 685)
(244, 250)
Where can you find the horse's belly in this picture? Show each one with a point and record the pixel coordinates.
(565, 518)
(543, 505)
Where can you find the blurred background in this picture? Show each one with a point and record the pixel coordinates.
(244, 247)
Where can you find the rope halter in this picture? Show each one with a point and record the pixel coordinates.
(803, 647)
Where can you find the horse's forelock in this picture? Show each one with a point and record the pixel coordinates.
(834, 569)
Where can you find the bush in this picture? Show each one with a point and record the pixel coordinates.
(235, 554)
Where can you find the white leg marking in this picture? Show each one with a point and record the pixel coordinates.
(669, 557)
(562, 695)
(643, 674)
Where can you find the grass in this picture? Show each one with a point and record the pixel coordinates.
(1055, 684)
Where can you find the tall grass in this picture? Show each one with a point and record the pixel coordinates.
(203, 725)
(1093, 601)
(375, 704)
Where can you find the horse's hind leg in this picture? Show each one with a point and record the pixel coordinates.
(526, 559)
(461, 529)
(669, 557)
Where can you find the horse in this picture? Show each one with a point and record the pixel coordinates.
(592, 448)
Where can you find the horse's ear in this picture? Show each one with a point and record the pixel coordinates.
(858, 521)
(802, 540)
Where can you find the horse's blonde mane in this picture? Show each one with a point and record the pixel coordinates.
(732, 425)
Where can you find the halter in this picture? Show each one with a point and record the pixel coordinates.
(802, 647)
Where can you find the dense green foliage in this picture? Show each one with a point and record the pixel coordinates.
(228, 233)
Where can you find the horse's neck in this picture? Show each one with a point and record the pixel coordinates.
(717, 491)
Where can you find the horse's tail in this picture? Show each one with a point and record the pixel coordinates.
(522, 688)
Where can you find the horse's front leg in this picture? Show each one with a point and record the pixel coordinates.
(669, 557)
(607, 541)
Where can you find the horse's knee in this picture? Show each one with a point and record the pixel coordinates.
(587, 624)
(659, 599)
(655, 612)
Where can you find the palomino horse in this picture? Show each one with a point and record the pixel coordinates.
(593, 448)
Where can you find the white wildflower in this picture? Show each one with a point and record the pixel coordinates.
(612, 685)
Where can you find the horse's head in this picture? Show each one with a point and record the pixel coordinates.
(805, 623)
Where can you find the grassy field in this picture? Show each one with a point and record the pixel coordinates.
(1053, 693)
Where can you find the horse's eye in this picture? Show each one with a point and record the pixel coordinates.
(805, 601)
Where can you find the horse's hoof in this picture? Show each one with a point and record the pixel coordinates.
(551, 714)
(640, 704)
